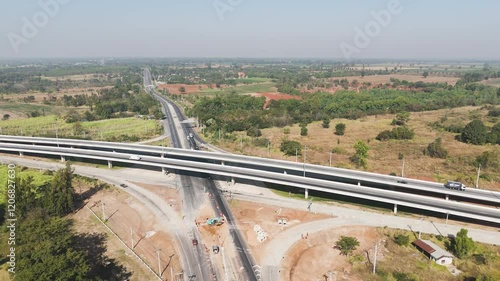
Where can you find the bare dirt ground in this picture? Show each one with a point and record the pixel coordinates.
(174, 88)
(125, 214)
(311, 259)
(249, 214)
(79, 77)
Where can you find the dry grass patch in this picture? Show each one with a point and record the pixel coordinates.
(383, 156)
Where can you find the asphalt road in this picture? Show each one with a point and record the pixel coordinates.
(196, 185)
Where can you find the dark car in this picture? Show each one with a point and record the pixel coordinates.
(403, 182)
(123, 185)
(195, 242)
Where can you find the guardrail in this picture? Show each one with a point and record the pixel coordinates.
(387, 196)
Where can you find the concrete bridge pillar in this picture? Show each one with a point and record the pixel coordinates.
(447, 197)
(21, 153)
(284, 172)
(110, 164)
(232, 181)
(359, 183)
(63, 158)
(395, 208)
(306, 193)
(164, 170)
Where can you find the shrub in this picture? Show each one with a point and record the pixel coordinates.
(338, 150)
(254, 132)
(303, 131)
(347, 244)
(261, 142)
(436, 150)
(402, 240)
(286, 131)
(399, 133)
(289, 147)
(326, 123)
(340, 129)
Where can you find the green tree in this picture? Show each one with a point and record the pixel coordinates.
(425, 74)
(347, 244)
(47, 251)
(290, 148)
(463, 245)
(361, 155)
(326, 123)
(436, 150)
(182, 90)
(340, 129)
(474, 133)
(61, 194)
(303, 131)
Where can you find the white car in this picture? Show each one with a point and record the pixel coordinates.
(134, 157)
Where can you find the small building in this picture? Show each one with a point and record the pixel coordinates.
(434, 252)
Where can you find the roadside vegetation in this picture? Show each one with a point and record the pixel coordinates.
(475, 260)
(47, 247)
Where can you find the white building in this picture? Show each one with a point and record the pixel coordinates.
(434, 252)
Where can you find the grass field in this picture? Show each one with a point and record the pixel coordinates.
(383, 156)
(21, 110)
(252, 80)
(97, 130)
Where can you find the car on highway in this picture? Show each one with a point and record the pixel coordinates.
(402, 181)
(134, 157)
(195, 242)
(123, 185)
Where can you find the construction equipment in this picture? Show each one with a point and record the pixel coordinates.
(216, 221)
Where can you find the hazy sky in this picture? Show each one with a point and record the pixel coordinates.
(250, 28)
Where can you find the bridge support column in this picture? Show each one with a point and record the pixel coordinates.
(63, 159)
(110, 164)
(222, 163)
(284, 172)
(395, 208)
(164, 170)
(232, 181)
(447, 197)
(21, 153)
(359, 183)
(306, 193)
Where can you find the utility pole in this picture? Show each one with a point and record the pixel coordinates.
(241, 141)
(172, 273)
(296, 155)
(305, 159)
(219, 134)
(330, 158)
(403, 169)
(478, 174)
(159, 264)
(375, 258)
(132, 237)
(269, 148)
(447, 213)
(103, 214)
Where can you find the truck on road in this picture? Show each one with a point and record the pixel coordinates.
(134, 157)
(455, 185)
